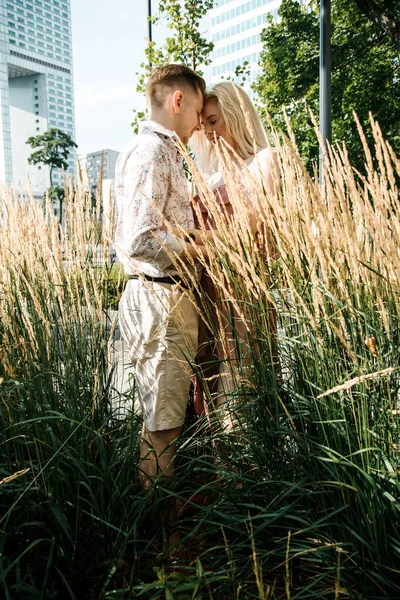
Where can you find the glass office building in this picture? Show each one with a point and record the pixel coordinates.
(36, 85)
(235, 29)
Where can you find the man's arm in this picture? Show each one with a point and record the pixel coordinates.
(139, 233)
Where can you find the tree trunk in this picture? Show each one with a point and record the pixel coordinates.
(51, 175)
(60, 202)
(386, 23)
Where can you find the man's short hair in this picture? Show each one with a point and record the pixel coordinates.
(164, 79)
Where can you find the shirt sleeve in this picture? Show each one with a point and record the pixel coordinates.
(146, 180)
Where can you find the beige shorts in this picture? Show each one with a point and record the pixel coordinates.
(160, 325)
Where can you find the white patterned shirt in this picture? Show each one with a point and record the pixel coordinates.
(151, 188)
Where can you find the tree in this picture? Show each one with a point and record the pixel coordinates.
(53, 148)
(365, 75)
(186, 45)
(386, 17)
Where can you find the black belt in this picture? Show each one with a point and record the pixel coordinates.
(170, 280)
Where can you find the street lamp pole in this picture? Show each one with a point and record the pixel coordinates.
(149, 21)
(325, 68)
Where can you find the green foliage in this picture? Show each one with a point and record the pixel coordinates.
(112, 284)
(186, 44)
(53, 148)
(365, 75)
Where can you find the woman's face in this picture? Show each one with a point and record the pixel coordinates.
(213, 124)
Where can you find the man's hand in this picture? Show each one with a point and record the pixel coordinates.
(195, 250)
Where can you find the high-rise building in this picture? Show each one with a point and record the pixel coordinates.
(36, 85)
(91, 164)
(235, 29)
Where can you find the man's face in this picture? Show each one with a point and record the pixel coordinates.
(188, 116)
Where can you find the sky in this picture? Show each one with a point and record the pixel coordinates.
(108, 39)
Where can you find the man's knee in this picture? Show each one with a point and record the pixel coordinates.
(161, 438)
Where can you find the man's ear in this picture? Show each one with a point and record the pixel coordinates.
(177, 101)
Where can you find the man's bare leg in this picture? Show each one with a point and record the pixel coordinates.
(157, 458)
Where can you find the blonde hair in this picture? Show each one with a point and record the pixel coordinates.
(241, 120)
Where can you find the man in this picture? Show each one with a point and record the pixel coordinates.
(157, 320)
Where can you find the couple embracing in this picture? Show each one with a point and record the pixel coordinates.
(157, 318)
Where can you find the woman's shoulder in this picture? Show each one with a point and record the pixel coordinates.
(263, 161)
(264, 156)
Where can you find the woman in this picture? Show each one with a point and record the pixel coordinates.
(231, 127)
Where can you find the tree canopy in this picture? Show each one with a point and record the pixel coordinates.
(365, 72)
(53, 148)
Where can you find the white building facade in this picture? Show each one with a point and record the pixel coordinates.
(235, 29)
(36, 86)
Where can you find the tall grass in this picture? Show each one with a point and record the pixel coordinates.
(319, 452)
(302, 490)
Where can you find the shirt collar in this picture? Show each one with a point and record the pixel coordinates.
(148, 126)
(153, 127)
